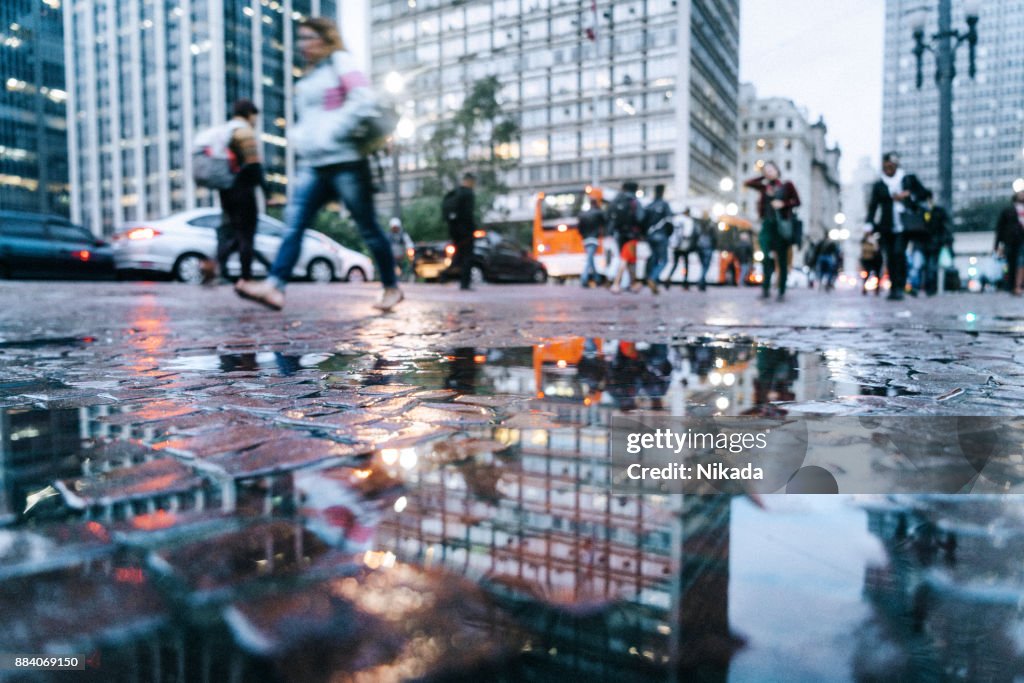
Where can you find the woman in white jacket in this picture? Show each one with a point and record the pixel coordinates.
(329, 101)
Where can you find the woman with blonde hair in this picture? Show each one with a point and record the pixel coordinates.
(331, 101)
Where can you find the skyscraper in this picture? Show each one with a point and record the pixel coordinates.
(988, 111)
(648, 88)
(147, 75)
(33, 125)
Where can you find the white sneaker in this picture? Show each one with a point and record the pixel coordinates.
(389, 298)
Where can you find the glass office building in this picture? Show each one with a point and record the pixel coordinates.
(33, 123)
(653, 99)
(146, 75)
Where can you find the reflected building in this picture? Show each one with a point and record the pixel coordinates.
(33, 97)
(147, 76)
(652, 98)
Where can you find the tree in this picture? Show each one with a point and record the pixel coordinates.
(478, 137)
(330, 222)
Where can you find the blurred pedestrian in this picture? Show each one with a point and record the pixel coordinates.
(402, 248)
(705, 241)
(331, 103)
(459, 209)
(745, 255)
(826, 263)
(658, 226)
(938, 232)
(894, 211)
(238, 202)
(775, 206)
(625, 218)
(870, 262)
(682, 244)
(1010, 242)
(592, 223)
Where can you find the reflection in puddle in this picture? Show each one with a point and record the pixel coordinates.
(453, 514)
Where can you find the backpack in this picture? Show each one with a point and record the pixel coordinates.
(214, 164)
(378, 118)
(450, 208)
(658, 218)
(622, 217)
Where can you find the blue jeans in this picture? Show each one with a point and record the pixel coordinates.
(352, 183)
(589, 268)
(705, 265)
(826, 267)
(659, 257)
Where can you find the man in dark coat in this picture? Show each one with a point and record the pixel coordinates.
(461, 226)
(1010, 241)
(895, 197)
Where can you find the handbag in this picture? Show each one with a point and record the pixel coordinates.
(784, 226)
(913, 224)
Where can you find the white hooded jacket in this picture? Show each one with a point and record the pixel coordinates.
(330, 103)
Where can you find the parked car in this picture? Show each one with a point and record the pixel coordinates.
(41, 245)
(495, 259)
(177, 245)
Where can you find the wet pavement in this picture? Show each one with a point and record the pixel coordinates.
(226, 493)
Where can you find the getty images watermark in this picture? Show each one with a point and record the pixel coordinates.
(708, 455)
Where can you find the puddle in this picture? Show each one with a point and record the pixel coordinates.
(483, 473)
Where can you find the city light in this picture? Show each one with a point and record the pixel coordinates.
(726, 184)
(394, 83)
(732, 209)
(840, 218)
(1018, 185)
(405, 128)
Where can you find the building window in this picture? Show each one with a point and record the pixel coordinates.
(789, 124)
(771, 124)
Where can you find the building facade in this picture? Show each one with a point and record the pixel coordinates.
(33, 123)
(775, 129)
(147, 75)
(643, 90)
(988, 111)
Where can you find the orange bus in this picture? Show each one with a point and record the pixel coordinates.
(556, 239)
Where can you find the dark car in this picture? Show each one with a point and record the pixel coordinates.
(495, 259)
(40, 245)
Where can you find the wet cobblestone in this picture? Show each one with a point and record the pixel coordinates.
(243, 468)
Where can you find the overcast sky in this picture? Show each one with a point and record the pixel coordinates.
(825, 55)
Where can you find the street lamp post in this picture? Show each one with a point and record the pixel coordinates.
(942, 45)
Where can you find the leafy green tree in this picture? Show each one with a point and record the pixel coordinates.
(478, 137)
(331, 223)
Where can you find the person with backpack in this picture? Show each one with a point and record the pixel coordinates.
(227, 159)
(625, 218)
(658, 225)
(458, 208)
(337, 115)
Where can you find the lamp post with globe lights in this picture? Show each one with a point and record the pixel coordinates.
(943, 45)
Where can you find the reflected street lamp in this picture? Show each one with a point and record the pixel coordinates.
(944, 45)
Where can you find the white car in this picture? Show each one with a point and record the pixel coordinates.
(178, 244)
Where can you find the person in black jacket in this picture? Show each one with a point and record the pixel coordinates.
(895, 196)
(1010, 242)
(591, 222)
(461, 228)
